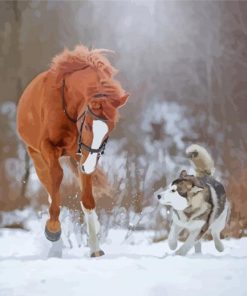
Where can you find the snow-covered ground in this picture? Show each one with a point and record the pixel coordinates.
(137, 267)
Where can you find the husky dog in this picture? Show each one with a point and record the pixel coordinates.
(199, 203)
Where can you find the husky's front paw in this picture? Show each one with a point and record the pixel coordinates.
(180, 252)
(172, 244)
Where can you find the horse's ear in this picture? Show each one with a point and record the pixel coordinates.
(121, 101)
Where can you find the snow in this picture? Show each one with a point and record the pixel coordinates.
(135, 267)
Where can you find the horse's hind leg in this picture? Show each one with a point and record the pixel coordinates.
(88, 207)
(50, 175)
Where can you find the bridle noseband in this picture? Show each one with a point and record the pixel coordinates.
(82, 117)
(81, 145)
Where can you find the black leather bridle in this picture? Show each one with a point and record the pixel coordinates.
(82, 117)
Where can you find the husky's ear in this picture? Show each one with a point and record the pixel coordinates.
(197, 183)
(196, 190)
(183, 174)
(194, 180)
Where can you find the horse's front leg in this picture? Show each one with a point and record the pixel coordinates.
(91, 218)
(50, 174)
(53, 226)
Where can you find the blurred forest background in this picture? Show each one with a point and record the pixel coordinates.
(185, 65)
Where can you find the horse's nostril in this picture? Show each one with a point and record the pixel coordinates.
(82, 168)
(159, 196)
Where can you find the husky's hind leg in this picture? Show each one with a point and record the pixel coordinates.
(217, 242)
(216, 229)
(198, 247)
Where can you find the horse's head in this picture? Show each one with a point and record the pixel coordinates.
(89, 86)
(99, 120)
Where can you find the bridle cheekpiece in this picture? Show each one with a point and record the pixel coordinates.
(82, 117)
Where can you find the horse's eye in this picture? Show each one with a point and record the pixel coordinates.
(173, 190)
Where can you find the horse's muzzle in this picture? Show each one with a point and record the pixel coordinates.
(87, 170)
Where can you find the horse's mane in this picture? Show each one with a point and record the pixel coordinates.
(80, 58)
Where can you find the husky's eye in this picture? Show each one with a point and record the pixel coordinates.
(173, 190)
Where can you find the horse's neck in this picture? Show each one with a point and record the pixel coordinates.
(76, 91)
(75, 102)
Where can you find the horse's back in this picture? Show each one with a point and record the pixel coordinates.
(29, 111)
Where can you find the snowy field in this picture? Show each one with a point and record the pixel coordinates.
(29, 265)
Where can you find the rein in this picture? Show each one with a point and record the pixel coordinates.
(81, 145)
(88, 111)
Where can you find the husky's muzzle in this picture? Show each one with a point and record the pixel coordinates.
(172, 198)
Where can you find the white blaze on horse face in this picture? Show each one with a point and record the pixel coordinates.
(100, 129)
(172, 198)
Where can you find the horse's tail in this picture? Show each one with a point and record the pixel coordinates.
(72, 165)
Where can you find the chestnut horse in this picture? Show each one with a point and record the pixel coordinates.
(70, 110)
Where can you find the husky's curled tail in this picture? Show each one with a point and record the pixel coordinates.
(201, 159)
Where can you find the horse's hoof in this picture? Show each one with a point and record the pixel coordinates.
(52, 236)
(98, 253)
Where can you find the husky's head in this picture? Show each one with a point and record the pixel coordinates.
(177, 193)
